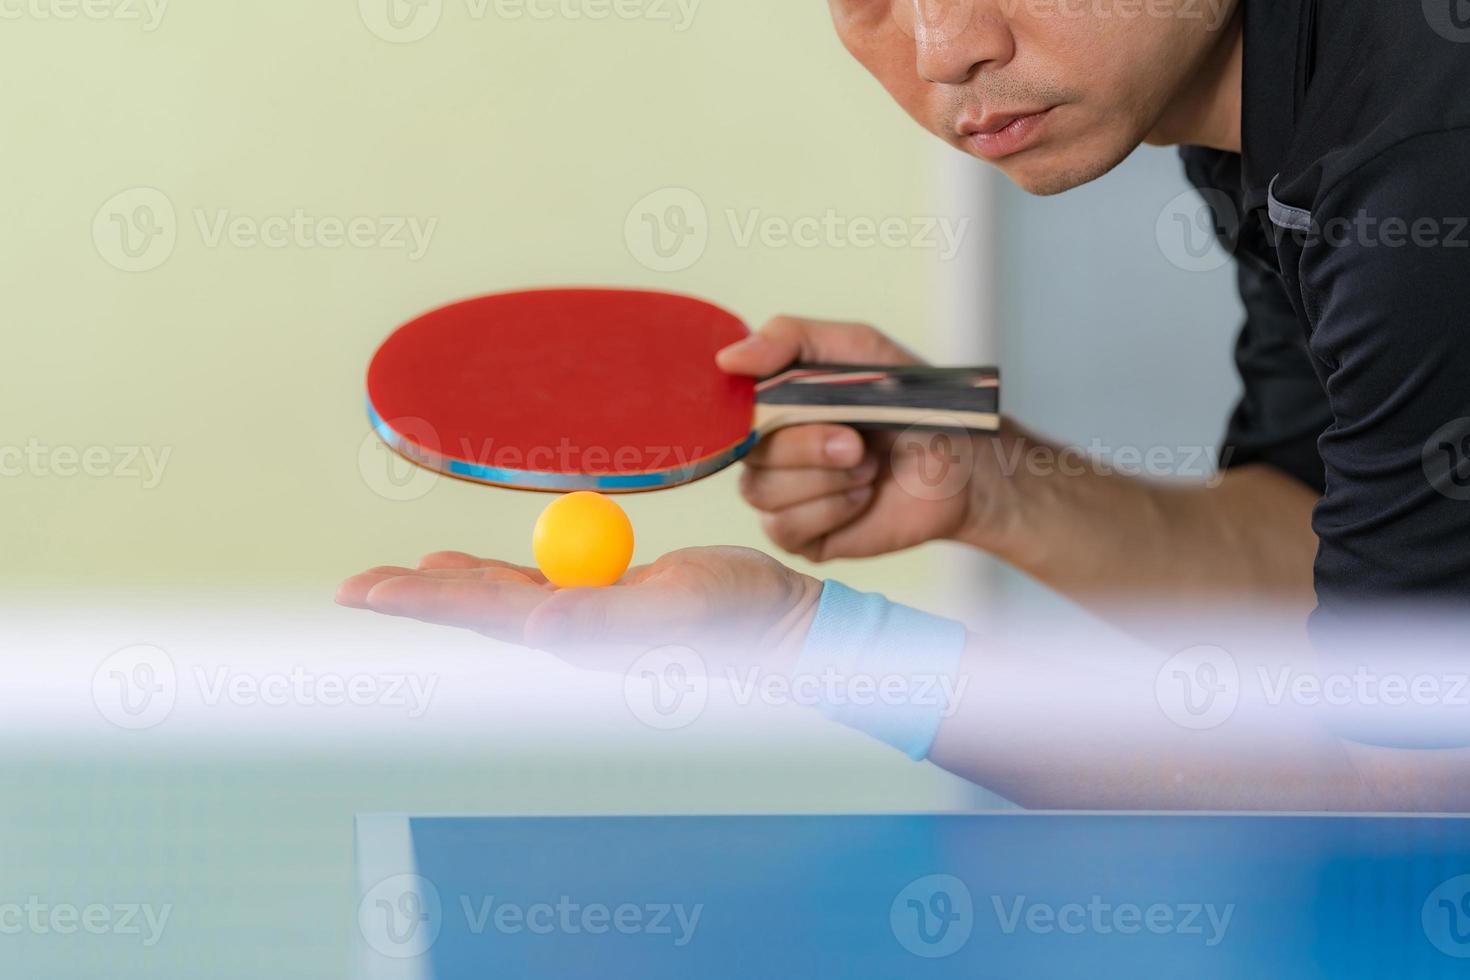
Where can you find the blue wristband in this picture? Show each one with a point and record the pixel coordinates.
(886, 670)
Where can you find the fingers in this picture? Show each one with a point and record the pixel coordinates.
(801, 528)
(498, 609)
(354, 591)
(831, 446)
(452, 589)
(809, 481)
(777, 489)
(453, 559)
(787, 339)
(459, 561)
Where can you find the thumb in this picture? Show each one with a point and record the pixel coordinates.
(788, 339)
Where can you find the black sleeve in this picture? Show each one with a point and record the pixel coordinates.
(1390, 313)
(1283, 409)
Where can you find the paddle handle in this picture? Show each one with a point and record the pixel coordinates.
(880, 396)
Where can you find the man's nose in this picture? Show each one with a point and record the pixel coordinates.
(955, 38)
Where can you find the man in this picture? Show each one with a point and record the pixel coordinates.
(1334, 141)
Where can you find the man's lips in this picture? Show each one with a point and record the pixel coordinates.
(999, 134)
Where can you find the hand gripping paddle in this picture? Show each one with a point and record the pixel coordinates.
(617, 391)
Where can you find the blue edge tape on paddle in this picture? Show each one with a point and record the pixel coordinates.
(886, 670)
(537, 480)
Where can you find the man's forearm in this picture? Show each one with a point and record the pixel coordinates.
(1103, 538)
(1103, 725)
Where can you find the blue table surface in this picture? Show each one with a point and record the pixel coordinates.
(954, 895)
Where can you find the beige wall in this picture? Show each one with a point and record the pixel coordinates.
(526, 142)
(529, 143)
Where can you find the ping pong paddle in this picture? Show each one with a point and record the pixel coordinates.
(617, 390)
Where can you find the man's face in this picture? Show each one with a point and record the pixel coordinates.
(1054, 92)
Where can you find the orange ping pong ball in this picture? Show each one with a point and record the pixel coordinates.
(583, 540)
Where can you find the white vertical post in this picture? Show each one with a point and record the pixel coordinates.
(968, 334)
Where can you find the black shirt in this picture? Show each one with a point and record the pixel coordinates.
(1351, 235)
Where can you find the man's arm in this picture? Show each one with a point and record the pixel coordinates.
(1094, 721)
(1101, 726)
(1108, 540)
(1112, 541)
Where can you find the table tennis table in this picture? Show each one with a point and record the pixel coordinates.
(975, 895)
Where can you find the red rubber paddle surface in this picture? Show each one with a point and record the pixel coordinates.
(592, 381)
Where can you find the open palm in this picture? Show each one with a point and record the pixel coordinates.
(720, 600)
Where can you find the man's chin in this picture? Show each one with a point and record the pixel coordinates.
(1048, 172)
(1043, 184)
